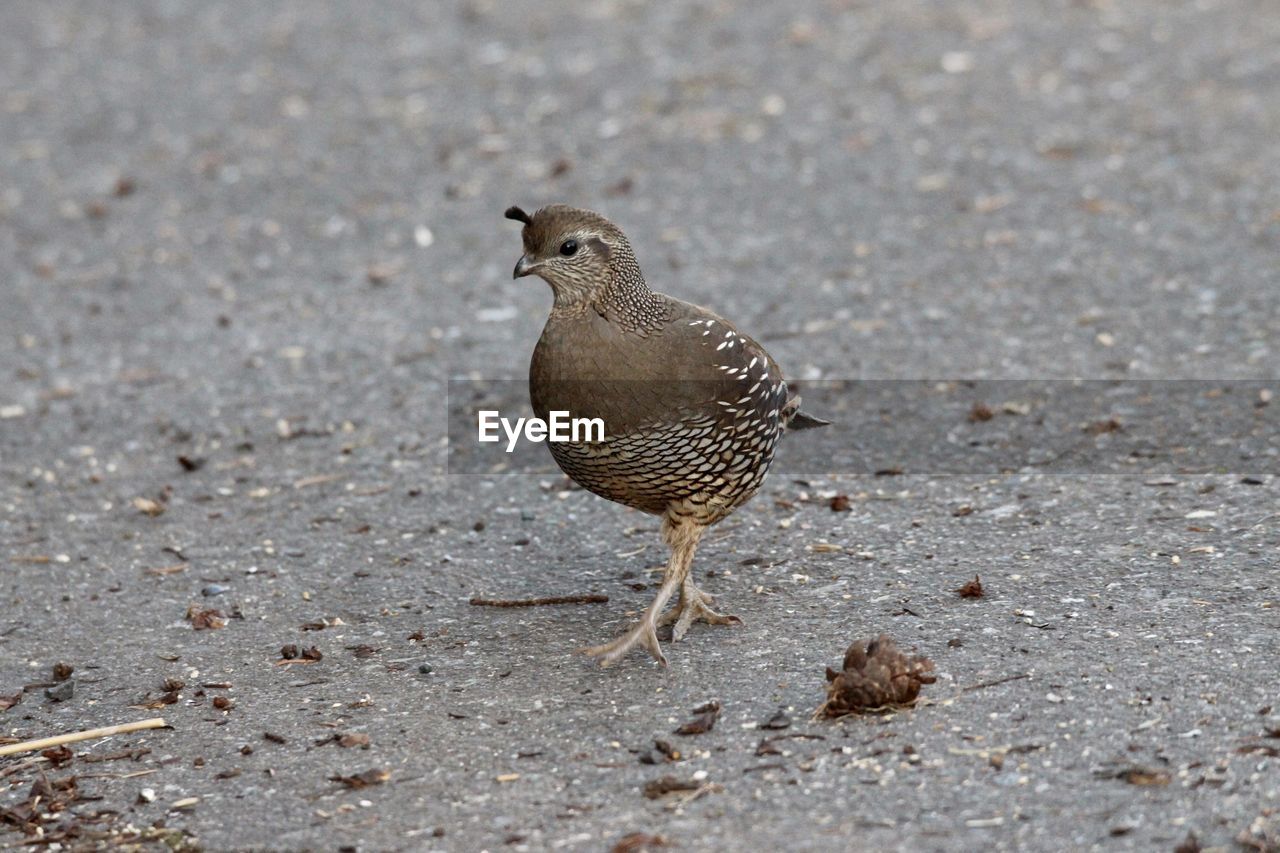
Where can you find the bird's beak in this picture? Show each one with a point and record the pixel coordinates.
(524, 267)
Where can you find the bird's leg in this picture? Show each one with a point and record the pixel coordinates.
(694, 605)
(682, 535)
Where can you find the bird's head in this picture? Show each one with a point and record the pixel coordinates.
(578, 252)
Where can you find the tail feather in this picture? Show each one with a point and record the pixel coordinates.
(803, 420)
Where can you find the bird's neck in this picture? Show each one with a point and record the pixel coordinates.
(627, 299)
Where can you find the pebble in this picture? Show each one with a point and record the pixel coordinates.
(61, 692)
(214, 589)
(425, 668)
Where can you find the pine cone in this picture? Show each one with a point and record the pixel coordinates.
(876, 675)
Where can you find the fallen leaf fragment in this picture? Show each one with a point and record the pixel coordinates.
(202, 619)
(375, 776)
(704, 719)
(638, 842)
(663, 785)
(1136, 774)
(58, 755)
(971, 589)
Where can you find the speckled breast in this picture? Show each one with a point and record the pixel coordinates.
(714, 459)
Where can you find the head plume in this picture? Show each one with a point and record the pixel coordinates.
(518, 214)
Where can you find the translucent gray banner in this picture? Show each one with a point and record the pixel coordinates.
(944, 427)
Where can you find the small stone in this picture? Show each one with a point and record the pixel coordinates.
(214, 589)
(425, 668)
(61, 692)
(147, 795)
(957, 62)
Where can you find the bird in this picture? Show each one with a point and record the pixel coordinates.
(692, 408)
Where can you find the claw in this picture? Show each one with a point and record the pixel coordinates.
(694, 605)
(643, 633)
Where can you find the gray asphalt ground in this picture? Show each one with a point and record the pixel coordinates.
(263, 236)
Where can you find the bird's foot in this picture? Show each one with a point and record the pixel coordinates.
(694, 605)
(643, 633)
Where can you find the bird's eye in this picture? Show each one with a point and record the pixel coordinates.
(569, 248)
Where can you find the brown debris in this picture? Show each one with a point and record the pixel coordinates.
(291, 654)
(147, 506)
(202, 619)
(980, 413)
(664, 785)
(374, 776)
(353, 740)
(62, 671)
(704, 719)
(971, 589)
(7, 702)
(840, 503)
(45, 802)
(1137, 775)
(223, 703)
(169, 697)
(638, 842)
(589, 598)
(58, 755)
(190, 463)
(875, 676)
(661, 753)
(1104, 427)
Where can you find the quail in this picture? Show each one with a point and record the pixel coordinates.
(692, 408)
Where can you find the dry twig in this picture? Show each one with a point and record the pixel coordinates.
(88, 734)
